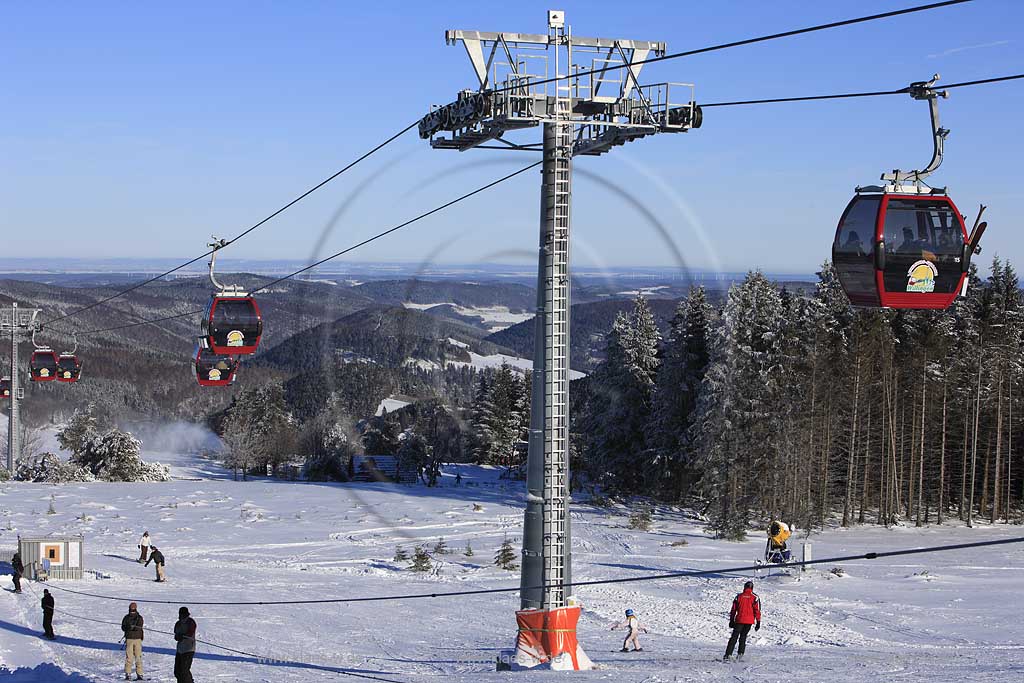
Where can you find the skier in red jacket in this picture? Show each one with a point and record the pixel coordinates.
(746, 612)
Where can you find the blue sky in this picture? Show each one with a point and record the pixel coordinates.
(132, 129)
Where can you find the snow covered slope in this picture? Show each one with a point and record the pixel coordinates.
(946, 617)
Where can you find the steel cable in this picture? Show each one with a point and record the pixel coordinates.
(574, 584)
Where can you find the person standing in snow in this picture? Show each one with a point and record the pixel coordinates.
(745, 612)
(19, 570)
(157, 558)
(132, 627)
(144, 547)
(633, 628)
(185, 634)
(47, 604)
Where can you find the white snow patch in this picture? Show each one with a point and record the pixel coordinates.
(500, 316)
(643, 291)
(390, 404)
(496, 360)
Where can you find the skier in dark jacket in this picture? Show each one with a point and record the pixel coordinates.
(157, 558)
(132, 627)
(185, 634)
(745, 612)
(19, 570)
(47, 604)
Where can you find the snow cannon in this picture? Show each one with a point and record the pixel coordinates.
(776, 551)
(779, 533)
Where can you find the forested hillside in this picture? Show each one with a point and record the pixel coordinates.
(794, 405)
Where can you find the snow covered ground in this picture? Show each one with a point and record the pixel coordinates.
(942, 617)
(498, 317)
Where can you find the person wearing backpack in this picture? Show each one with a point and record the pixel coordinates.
(185, 635)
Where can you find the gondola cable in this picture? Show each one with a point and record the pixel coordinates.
(242, 234)
(877, 93)
(600, 71)
(738, 43)
(899, 91)
(351, 248)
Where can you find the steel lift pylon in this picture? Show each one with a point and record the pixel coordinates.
(587, 111)
(17, 322)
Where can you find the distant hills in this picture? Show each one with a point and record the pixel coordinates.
(422, 334)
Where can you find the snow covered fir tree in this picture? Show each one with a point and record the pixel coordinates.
(794, 405)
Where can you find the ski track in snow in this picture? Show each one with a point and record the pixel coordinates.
(943, 617)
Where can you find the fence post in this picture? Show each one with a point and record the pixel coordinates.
(807, 556)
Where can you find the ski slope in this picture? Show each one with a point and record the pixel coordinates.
(947, 617)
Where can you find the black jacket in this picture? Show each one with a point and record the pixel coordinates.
(47, 603)
(132, 626)
(17, 564)
(156, 556)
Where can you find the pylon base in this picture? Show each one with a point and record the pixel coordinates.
(548, 638)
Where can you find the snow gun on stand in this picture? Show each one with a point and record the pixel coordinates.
(776, 551)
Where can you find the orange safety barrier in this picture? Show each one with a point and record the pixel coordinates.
(547, 636)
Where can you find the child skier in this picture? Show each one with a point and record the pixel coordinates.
(633, 628)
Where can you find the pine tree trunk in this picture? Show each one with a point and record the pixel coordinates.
(942, 457)
(903, 447)
(848, 498)
(961, 512)
(865, 473)
(911, 473)
(974, 448)
(1009, 451)
(808, 503)
(823, 504)
(883, 449)
(998, 467)
(983, 503)
(920, 457)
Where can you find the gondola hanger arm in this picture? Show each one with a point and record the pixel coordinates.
(925, 90)
(216, 245)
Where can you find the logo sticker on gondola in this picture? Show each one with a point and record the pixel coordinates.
(921, 277)
(214, 374)
(236, 338)
(43, 372)
(67, 374)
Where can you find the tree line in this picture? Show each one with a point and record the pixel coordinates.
(797, 406)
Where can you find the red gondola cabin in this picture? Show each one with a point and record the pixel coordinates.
(213, 369)
(69, 368)
(232, 324)
(5, 388)
(43, 365)
(901, 250)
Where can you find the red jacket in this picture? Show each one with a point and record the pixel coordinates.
(746, 608)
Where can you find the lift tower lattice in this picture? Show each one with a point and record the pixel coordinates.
(16, 322)
(587, 111)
